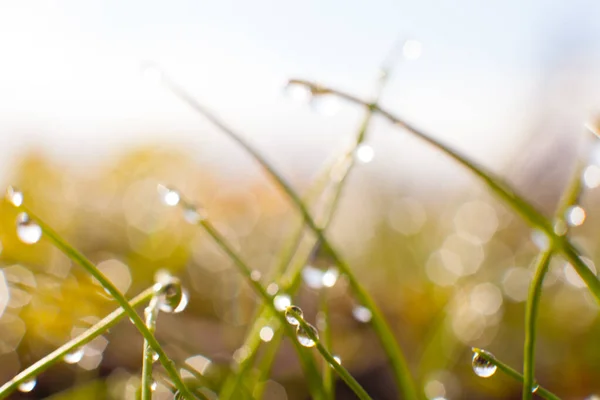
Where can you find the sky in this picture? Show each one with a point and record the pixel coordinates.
(70, 78)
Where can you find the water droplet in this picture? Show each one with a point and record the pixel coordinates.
(27, 386)
(364, 153)
(193, 215)
(14, 196)
(535, 388)
(27, 230)
(330, 277)
(481, 366)
(337, 359)
(255, 275)
(412, 49)
(74, 356)
(153, 386)
(304, 337)
(282, 301)
(155, 356)
(291, 313)
(172, 298)
(591, 176)
(266, 334)
(327, 105)
(298, 92)
(362, 314)
(169, 196)
(540, 239)
(575, 215)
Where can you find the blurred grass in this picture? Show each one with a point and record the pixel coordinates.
(113, 213)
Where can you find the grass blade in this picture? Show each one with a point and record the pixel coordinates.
(57, 355)
(382, 329)
(80, 259)
(151, 314)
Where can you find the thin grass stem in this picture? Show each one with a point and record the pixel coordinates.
(382, 329)
(80, 259)
(518, 203)
(57, 355)
(246, 271)
(151, 314)
(542, 392)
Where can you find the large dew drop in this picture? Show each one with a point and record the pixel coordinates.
(292, 313)
(362, 314)
(282, 301)
(27, 230)
(14, 196)
(172, 298)
(27, 386)
(74, 356)
(481, 366)
(304, 338)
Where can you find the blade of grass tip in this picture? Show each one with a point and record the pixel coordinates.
(246, 271)
(542, 392)
(521, 206)
(341, 371)
(569, 198)
(382, 329)
(57, 355)
(151, 314)
(80, 259)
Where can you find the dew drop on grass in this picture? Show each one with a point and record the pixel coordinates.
(304, 338)
(337, 359)
(255, 275)
(169, 196)
(154, 356)
(193, 215)
(153, 385)
(27, 386)
(481, 366)
(535, 388)
(74, 356)
(14, 196)
(27, 230)
(575, 216)
(291, 313)
(362, 314)
(172, 298)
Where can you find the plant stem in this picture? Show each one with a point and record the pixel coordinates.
(542, 392)
(246, 271)
(151, 314)
(521, 206)
(569, 198)
(328, 379)
(57, 355)
(80, 259)
(341, 371)
(535, 292)
(382, 329)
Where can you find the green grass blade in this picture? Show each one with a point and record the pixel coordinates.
(518, 203)
(382, 329)
(57, 355)
(151, 314)
(80, 259)
(542, 392)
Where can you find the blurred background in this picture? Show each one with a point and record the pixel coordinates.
(87, 137)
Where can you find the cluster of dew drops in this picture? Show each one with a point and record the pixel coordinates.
(28, 231)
